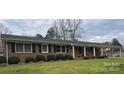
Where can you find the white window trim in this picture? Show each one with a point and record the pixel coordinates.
(17, 51)
(23, 49)
(45, 51)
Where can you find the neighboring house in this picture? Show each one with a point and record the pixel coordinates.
(24, 46)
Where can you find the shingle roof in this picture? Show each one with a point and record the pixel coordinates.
(51, 41)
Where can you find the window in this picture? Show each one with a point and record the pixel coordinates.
(23, 48)
(28, 48)
(63, 48)
(19, 47)
(57, 48)
(44, 48)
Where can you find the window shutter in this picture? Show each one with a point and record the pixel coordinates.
(39, 48)
(54, 48)
(33, 48)
(13, 47)
(67, 48)
(49, 48)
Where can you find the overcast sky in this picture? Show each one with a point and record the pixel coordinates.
(96, 30)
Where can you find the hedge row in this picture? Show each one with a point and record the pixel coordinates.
(98, 57)
(60, 56)
(2, 59)
(14, 60)
(11, 60)
(49, 57)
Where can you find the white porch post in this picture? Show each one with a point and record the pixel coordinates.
(112, 52)
(65, 49)
(6, 53)
(85, 51)
(73, 51)
(94, 51)
(120, 53)
(101, 51)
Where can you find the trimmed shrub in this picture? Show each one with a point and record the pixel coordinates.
(86, 57)
(60, 56)
(93, 57)
(68, 57)
(2, 59)
(40, 58)
(51, 57)
(13, 60)
(100, 57)
(29, 59)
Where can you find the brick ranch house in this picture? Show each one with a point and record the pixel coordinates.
(24, 46)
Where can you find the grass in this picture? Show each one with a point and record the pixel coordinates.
(68, 67)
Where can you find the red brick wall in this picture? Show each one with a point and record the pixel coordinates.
(24, 55)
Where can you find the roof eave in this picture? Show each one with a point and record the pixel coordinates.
(36, 41)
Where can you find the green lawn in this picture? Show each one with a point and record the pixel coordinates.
(114, 65)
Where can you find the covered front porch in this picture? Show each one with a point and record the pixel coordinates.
(95, 51)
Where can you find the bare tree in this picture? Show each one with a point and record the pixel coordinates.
(68, 28)
(61, 26)
(3, 29)
(57, 32)
(75, 28)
